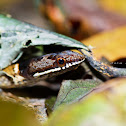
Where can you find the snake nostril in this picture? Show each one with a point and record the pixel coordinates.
(50, 57)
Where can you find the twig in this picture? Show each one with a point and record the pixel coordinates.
(103, 68)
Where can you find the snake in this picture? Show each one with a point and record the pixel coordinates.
(40, 68)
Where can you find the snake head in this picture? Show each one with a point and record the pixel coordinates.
(52, 64)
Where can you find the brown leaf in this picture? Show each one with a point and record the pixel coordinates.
(80, 20)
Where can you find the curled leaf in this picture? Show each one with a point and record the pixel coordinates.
(16, 35)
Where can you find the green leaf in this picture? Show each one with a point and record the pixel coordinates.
(15, 35)
(105, 107)
(49, 103)
(73, 91)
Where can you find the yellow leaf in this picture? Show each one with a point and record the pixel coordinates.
(13, 114)
(118, 6)
(111, 45)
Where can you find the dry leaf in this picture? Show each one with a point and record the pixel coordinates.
(80, 20)
(118, 6)
(111, 45)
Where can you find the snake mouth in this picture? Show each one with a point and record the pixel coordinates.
(57, 69)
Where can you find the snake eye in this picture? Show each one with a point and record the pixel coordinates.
(61, 61)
